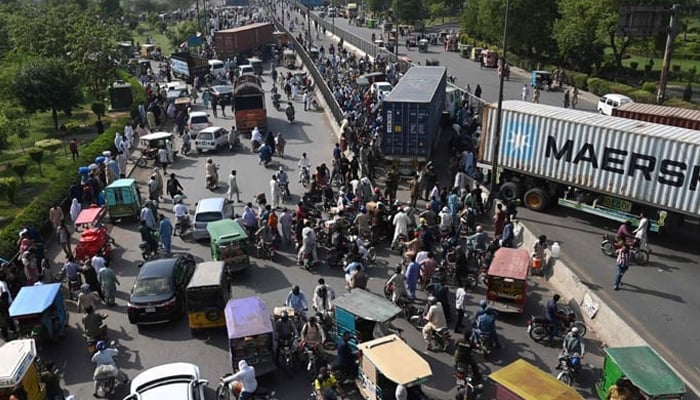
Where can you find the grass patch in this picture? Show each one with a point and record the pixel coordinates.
(658, 62)
(144, 31)
(442, 21)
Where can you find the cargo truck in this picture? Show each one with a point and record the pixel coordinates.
(249, 108)
(673, 116)
(351, 11)
(608, 166)
(412, 113)
(186, 66)
(242, 40)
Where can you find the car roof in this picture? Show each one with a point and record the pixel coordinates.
(171, 381)
(157, 268)
(210, 204)
(198, 114)
(618, 97)
(210, 129)
(222, 88)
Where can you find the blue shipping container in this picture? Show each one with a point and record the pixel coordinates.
(412, 113)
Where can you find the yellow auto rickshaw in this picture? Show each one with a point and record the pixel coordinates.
(206, 296)
(18, 367)
(289, 58)
(523, 381)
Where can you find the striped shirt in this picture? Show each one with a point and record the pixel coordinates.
(623, 257)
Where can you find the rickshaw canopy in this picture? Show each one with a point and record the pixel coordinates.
(510, 263)
(226, 230)
(34, 299)
(646, 370)
(531, 383)
(207, 273)
(16, 356)
(157, 136)
(89, 215)
(366, 305)
(248, 316)
(121, 183)
(396, 360)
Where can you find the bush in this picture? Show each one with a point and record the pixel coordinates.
(598, 86)
(99, 109)
(9, 187)
(20, 167)
(37, 155)
(620, 88)
(634, 65)
(673, 102)
(650, 87)
(49, 145)
(642, 96)
(138, 92)
(688, 93)
(578, 80)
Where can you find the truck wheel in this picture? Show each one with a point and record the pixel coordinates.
(536, 199)
(509, 191)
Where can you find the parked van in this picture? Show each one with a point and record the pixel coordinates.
(607, 103)
(209, 210)
(217, 69)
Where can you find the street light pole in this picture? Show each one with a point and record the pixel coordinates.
(499, 111)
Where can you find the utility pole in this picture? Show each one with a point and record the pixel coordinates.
(499, 112)
(199, 19)
(308, 25)
(668, 53)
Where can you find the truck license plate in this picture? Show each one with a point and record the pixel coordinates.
(150, 309)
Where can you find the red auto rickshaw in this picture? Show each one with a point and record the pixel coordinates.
(507, 280)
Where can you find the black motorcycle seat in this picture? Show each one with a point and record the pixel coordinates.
(442, 330)
(540, 320)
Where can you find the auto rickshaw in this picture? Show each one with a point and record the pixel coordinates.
(506, 287)
(123, 199)
(206, 296)
(423, 45)
(281, 38)
(646, 373)
(522, 380)
(147, 49)
(183, 104)
(465, 50)
(411, 41)
(229, 243)
(314, 53)
(541, 80)
(251, 334)
(490, 58)
(289, 58)
(257, 65)
(432, 62)
(151, 143)
(365, 315)
(38, 312)
(19, 367)
(476, 54)
(144, 66)
(387, 362)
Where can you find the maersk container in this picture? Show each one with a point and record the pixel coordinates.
(674, 116)
(412, 112)
(647, 163)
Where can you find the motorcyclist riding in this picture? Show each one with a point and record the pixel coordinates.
(308, 238)
(182, 214)
(550, 314)
(478, 241)
(435, 318)
(256, 138)
(283, 179)
(286, 331)
(398, 280)
(93, 324)
(573, 344)
(105, 356)
(290, 111)
(297, 301)
(327, 387)
(246, 376)
(264, 154)
(484, 324)
(186, 145)
(212, 174)
(624, 232)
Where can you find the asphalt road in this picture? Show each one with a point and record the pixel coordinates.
(155, 345)
(660, 299)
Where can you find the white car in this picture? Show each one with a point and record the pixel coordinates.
(381, 89)
(197, 121)
(211, 139)
(175, 381)
(607, 103)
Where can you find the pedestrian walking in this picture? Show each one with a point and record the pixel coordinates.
(205, 99)
(73, 146)
(499, 220)
(233, 187)
(214, 105)
(153, 189)
(163, 159)
(90, 277)
(566, 99)
(56, 216)
(280, 142)
(622, 264)
(574, 97)
(536, 95)
(285, 222)
(274, 191)
(63, 235)
(477, 91)
(461, 304)
(109, 281)
(525, 92)
(165, 229)
(641, 232)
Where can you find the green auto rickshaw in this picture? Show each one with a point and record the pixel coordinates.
(123, 199)
(229, 243)
(644, 372)
(206, 296)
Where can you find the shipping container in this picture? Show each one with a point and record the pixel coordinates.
(242, 40)
(412, 113)
(610, 166)
(673, 116)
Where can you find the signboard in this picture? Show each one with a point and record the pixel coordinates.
(640, 21)
(589, 306)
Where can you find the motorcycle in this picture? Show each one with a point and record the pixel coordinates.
(276, 101)
(290, 114)
(105, 379)
(147, 252)
(440, 337)
(307, 260)
(400, 245)
(485, 343)
(211, 182)
(265, 160)
(186, 148)
(265, 250)
(182, 224)
(287, 355)
(232, 391)
(305, 177)
(609, 245)
(286, 195)
(465, 385)
(311, 361)
(539, 328)
(570, 365)
(368, 252)
(256, 145)
(73, 285)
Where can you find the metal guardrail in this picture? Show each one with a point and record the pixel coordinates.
(321, 84)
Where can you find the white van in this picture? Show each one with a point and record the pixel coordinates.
(607, 103)
(217, 69)
(209, 210)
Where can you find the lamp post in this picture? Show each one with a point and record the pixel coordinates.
(333, 18)
(499, 111)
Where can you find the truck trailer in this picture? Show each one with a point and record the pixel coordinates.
(249, 104)
(242, 40)
(673, 116)
(412, 113)
(607, 166)
(186, 66)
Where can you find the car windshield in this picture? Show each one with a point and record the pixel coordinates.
(208, 217)
(199, 119)
(205, 136)
(384, 88)
(152, 286)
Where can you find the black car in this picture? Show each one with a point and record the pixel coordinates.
(222, 93)
(158, 292)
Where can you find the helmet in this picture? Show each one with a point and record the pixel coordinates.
(483, 303)
(296, 289)
(575, 361)
(363, 209)
(209, 160)
(101, 345)
(574, 330)
(284, 315)
(432, 300)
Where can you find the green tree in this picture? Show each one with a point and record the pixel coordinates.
(576, 33)
(376, 6)
(20, 167)
(181, 32)
(46, 84)
(408, 11)
(437, 9)
(110, 8)
(9, 187)
(37, 155)
(13, 123)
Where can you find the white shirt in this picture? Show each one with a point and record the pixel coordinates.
(400, 222)
(274, 186)
(401, 393)
(435, 193)
(461, 299)
(5, 289)
(97, 263)
(436, 316)
(304, 162)
(256, 136)
(641, 230)
(163, 155)
(445, 220)
(180, 210)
